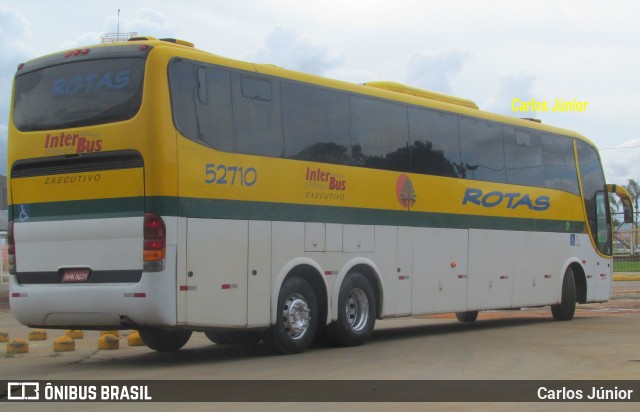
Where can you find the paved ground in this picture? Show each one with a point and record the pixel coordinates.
(601, 343)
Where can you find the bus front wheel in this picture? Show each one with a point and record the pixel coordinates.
(356, 312)
(296, 320)
(467, 317)
(567, 306)
(164, 340)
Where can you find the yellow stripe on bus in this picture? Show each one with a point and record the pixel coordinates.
(103, 184)
(217, 175)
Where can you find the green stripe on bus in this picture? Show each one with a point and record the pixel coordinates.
(230, 209)
(77, 209)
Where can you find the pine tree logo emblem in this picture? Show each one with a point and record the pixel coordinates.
(405, 192)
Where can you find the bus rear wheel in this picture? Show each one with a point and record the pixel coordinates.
(296, 319)
(356, 312)
(164, 340)
(567, 306)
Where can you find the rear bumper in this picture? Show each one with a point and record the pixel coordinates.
(150, 302)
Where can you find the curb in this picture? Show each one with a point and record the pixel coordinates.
(108, 342)
(626, 278)
(64, 344)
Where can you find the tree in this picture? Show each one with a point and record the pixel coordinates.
(634, 190)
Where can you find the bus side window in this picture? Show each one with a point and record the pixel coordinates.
(482, 150)
(316, 124)
(524, 159)
(213, 108)
(182, 84)
(200, 101)
(257, 115)
(595, 199)
(602, 222)
(379, 133)
(203, 95)
(435, 148)
(559, 163)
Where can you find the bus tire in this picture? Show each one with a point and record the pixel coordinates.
(356, 312)
(468, 316)
(164, 340)
(567, 306)
(233, 337)
(297, 318)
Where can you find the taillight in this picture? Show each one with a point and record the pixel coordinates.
(155, 242)
(11, 248)
(77, 52)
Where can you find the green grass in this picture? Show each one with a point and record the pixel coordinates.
(625, 266)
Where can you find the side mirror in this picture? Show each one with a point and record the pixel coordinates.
(624, 196)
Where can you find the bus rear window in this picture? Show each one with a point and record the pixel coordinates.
(77, 94)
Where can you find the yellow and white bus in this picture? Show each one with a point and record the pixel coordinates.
(158, 187)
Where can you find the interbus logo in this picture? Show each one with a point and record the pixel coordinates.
(71, 143)
(324, 179)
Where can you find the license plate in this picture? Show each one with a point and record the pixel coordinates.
(75, 275)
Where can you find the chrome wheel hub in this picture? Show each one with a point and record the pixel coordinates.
(357, 309)
(296, 316)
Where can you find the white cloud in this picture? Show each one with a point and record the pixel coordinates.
(434, 70)
(15, 26)
(287, 48)
(622, 162)
(511, 86)
(553, 50)
(14, 34)
(144, 22)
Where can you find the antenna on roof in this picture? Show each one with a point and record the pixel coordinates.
(117, 37)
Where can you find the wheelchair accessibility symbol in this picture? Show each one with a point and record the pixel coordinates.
(24, 213)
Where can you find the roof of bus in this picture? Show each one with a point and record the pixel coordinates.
(386, 90)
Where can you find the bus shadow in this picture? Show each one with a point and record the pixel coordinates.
(219, 354)
(203, 354)
(452, 327)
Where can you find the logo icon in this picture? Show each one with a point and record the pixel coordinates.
(23, 391)
(405, 192)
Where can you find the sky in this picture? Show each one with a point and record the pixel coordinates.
(492, 52)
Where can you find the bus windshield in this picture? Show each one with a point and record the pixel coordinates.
(81, 93)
